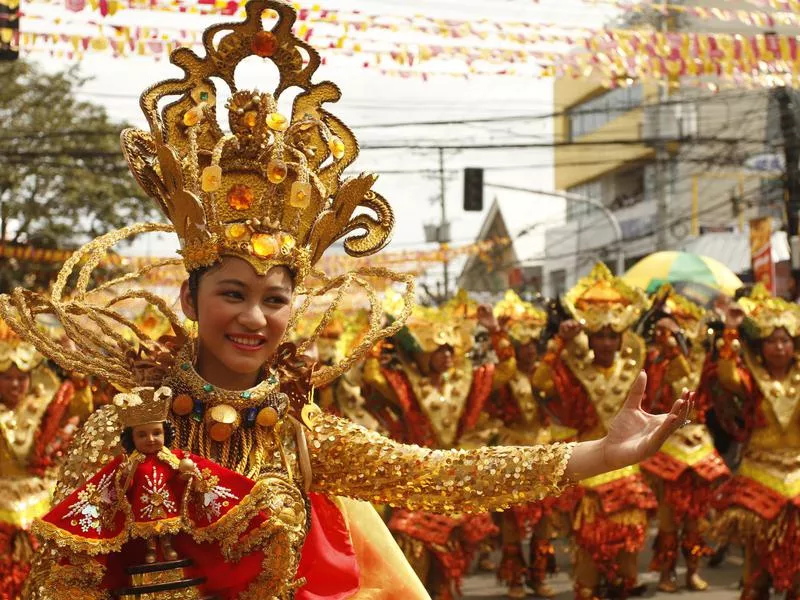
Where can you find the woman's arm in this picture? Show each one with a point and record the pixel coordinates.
(348, 460)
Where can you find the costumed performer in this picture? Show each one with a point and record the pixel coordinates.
(687, 469)
(37, 421)
(254, 209)
(590, 367)
(754, 384)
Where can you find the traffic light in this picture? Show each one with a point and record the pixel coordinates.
(473, 189)
(9, 29)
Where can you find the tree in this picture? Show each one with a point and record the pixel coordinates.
(63, 179)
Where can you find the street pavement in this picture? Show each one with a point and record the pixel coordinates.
(723, 580)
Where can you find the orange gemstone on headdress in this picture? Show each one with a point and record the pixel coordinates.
(264, 245)
(264, 44)
(250, 118)
(192, 116)
(235, 231)
(277, 122)
(336, 147)
(240, 197)
(211, 178)
(301, 195)
(276, 170)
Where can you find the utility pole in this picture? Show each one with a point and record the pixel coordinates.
(662, 200)
(443, 234)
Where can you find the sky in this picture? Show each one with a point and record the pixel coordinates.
(371, 99)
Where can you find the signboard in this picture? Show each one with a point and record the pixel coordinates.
(767, 161)
(761, 252)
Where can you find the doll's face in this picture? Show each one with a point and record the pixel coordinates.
(241, 318)
(148, 438)
(14, 386)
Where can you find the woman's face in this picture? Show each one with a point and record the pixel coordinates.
(605, 344)
(241, 318)
(527, 353)
(778, 349)
(148, 438)
(14, 386)
(442, 359)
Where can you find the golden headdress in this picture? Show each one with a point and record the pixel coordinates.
(525, 321)
(768, 312)
(432, 326)
(143, 405)
(13, 351)
(601, 300)
(688, 315)
(270, 192)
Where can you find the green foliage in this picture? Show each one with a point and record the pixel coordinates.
(63, 179)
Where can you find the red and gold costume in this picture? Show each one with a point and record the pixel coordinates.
(517, 419)
(267, 189)
(612, 515)
(688, 468)
(760, 506)
(33, 436)
(436, 415)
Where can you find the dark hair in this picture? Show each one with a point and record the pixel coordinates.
(194, 283)
(126, 437)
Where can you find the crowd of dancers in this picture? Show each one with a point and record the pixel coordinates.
(467, 375)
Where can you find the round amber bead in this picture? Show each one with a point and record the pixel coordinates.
(264, 44)
(220, 432)
(240, 197)
(235, 231)
(267, 417)
(277, 171)
(182, 405)
(192, 116)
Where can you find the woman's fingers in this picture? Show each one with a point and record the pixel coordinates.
(635, 395)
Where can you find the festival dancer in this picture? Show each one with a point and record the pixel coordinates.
(436, 397)
(515, 334)
(585, 376)
(254, 210)
(754, 383)
(36, 424)
(688, 468)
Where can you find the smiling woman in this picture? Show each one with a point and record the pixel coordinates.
(254, 211)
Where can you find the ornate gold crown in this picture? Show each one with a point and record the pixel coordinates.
(13, 351)
(769, 312)
(143, 405)
(686, 313)
(526, 321)
(446, 325)
(270, 190)
(601, 300)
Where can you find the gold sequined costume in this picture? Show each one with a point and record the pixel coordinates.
(34, 432)
(688, 468)
(269, 193)
(759, 506)
(611, 518)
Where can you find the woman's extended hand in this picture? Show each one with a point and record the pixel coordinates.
(632, 436)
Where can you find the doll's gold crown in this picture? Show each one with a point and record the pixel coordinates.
(770, 312)
(143, 405)
(14, 351)
(270, 190)
(601, 300)
(525, 321)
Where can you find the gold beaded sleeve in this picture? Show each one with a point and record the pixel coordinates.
(348, 460)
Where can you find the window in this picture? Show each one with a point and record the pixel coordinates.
(591, 115)
(582, 210)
